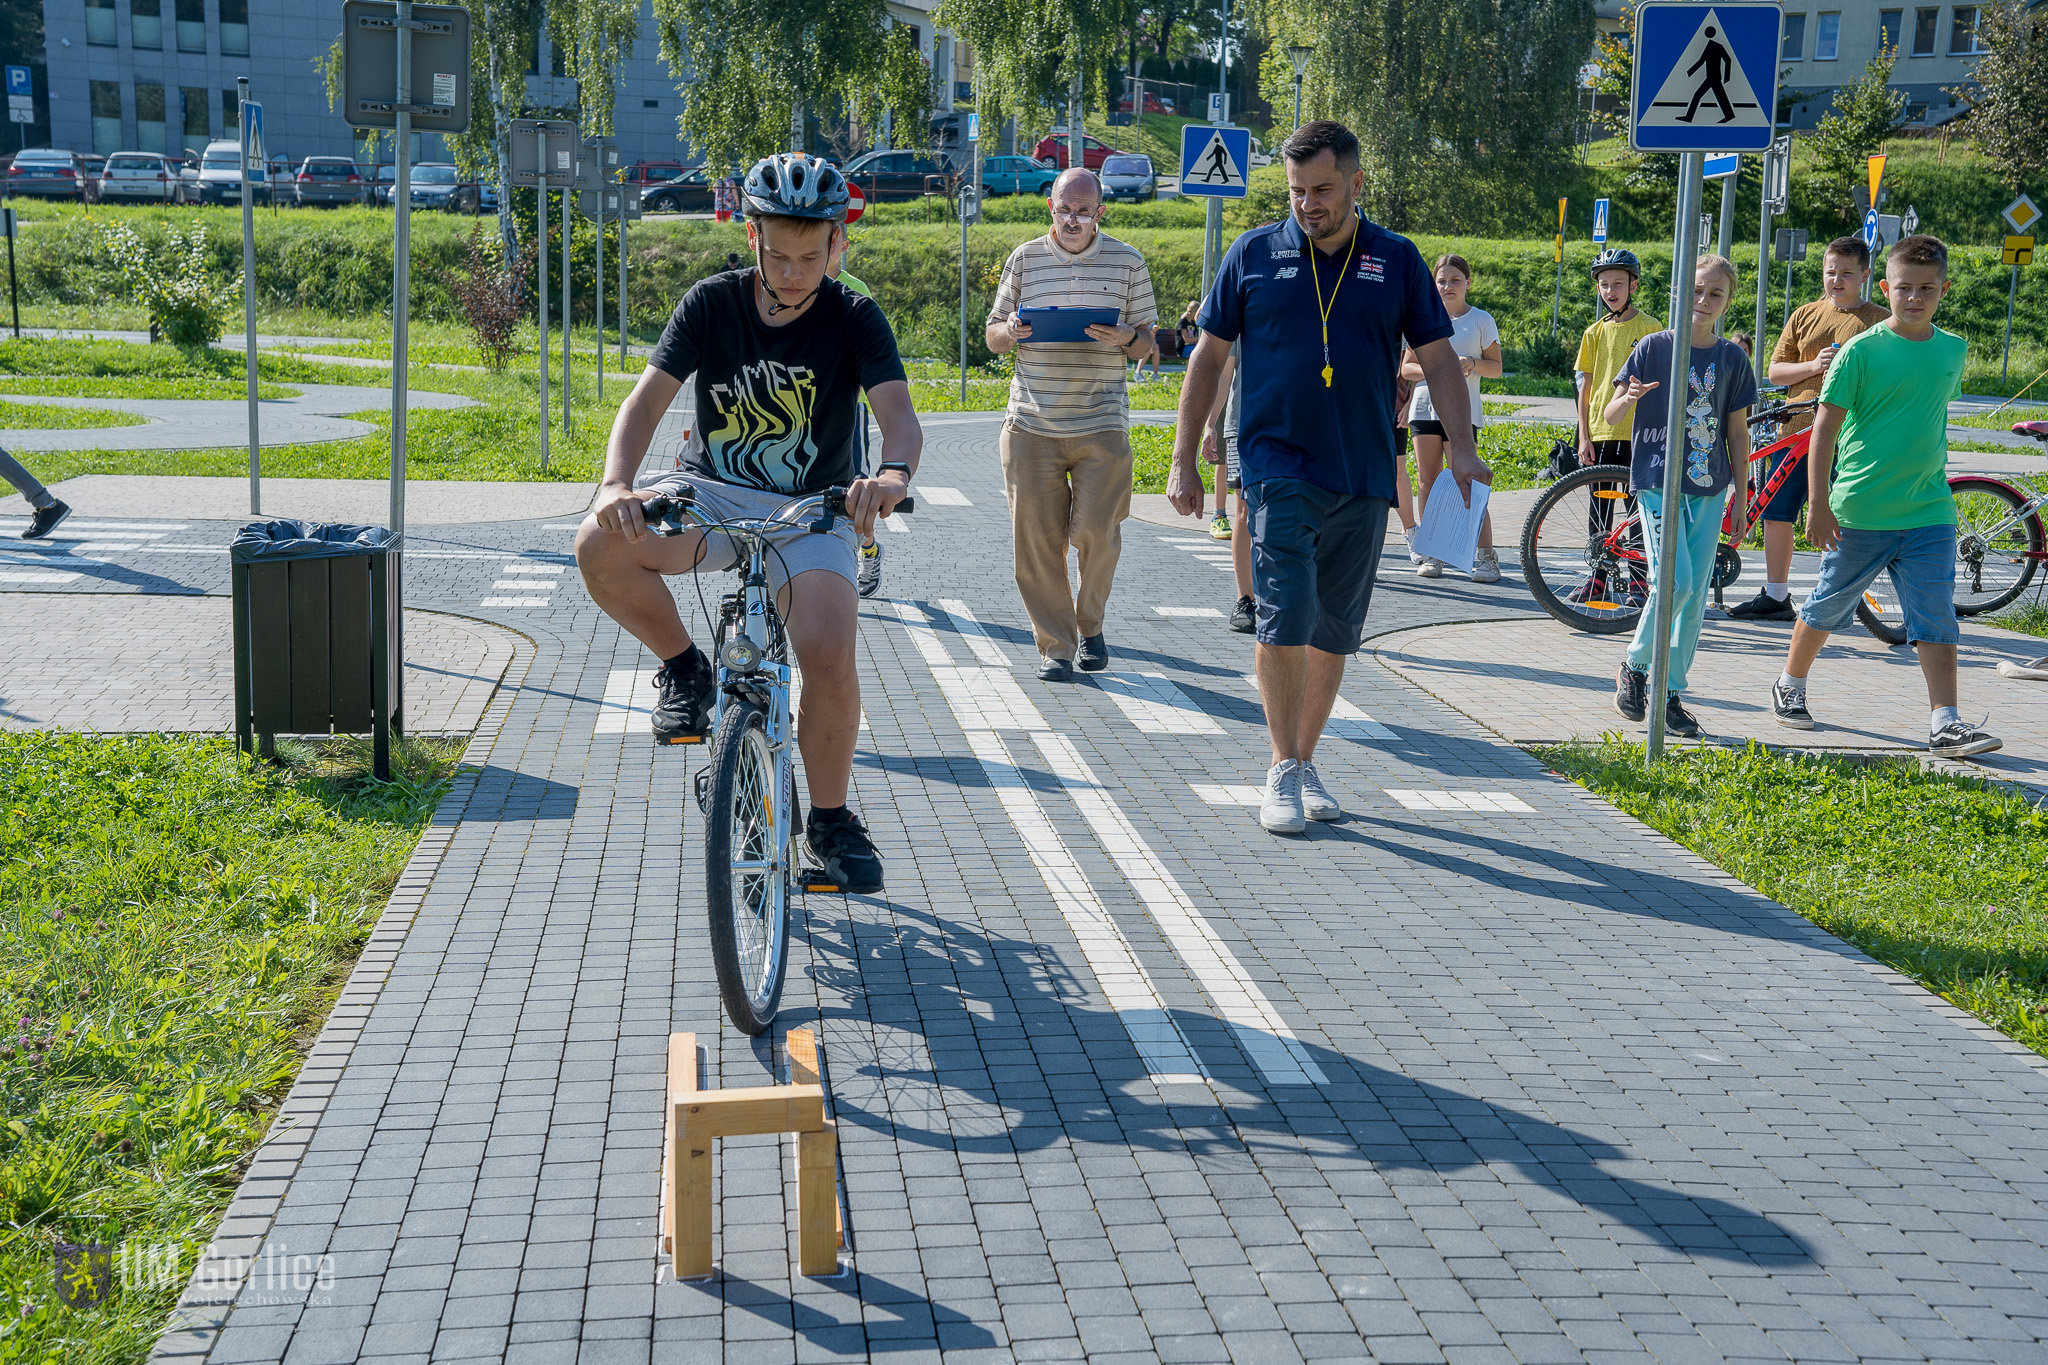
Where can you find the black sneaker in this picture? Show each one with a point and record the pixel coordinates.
(1093, 656)
(46, 520)
(1593, 589)
(1637, 594)
(1678, 721)
(1960, 739)
(1764, 607)
(844, 856)
(1244, 616)
(683, 706)
(1631, 691)
(1789, 706)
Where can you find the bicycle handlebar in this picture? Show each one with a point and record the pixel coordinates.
(1783, 410)
(665, 506)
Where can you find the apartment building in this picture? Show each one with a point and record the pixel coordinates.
(1827, 42)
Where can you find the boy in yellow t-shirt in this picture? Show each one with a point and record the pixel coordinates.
(1604, 349)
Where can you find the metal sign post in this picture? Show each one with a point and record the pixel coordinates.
(2020, 215)
(543, 151)
(1706, 81)
(381, 43)
(1777, 175)
(1728, 170)
(249, 116)
(10, 227)
(970, 207)
(604, 156)
(1215, 161)
(1791, 247)
(629, 211)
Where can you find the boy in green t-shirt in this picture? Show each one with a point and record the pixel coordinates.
(1877, 474)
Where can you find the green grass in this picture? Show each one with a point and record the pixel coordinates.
(80, 386)
(50, 417)
(1939, 877)
(2001, 420)
(2029, 617)
(1517, 451)
(991, 393)
(174, 924)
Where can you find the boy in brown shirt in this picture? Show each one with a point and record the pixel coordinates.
(1807, 346)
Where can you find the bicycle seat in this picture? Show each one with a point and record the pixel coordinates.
(2037, 430)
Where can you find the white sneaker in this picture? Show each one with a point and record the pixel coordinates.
(1486, 567)
(1316, 801)
(1280, 808)
(1408, 534)
(1430, 568)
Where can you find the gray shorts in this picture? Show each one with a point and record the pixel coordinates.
(791, 552)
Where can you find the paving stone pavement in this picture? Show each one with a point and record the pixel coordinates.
(1572, 1093)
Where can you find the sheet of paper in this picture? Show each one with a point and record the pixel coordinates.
(1449, 529)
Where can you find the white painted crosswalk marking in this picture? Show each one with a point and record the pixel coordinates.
(514, 602)
(628, 695)
(1472, 801)
(1346, 721)
(971, 630)
(900, 525)
(1151, 702)
(528, 566)
(35, 576)
(1187, 611)
(939, 496)
(1217, 795)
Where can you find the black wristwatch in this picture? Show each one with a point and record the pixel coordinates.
(894, 464)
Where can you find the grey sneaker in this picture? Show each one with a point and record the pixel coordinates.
(1316, 801)
(1788, 704)
(1280, 808)
(1957, 739)
(1486, 567)
(870, 568)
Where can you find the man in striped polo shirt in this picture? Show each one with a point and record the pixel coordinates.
(1066, 439)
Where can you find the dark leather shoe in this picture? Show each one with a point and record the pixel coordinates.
(1055, 670)
(1094, 655)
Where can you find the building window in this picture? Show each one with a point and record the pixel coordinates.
(1962, 31)
(1795, 38)
(234, 28)
(650, 104)
(146, 24)
(191, 25)
(1827, 38)
(230, 115)
(106, 116)
(99, 23)
(1890, 24)
(916, 36)
(198, 127)
(149, 118)
(1925, 21)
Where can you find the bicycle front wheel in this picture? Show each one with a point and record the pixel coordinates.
(1994, 545)
(1582, 551)
(747, 868)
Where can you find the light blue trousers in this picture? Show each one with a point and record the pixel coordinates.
(1699, 531)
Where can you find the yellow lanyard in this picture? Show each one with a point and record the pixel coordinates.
(1323, 308)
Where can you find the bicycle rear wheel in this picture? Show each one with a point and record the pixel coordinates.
(1992, 564)
(1581, 570)
(747, 869)
(1882, 619)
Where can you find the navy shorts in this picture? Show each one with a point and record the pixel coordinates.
(1314, 553)
(1789, 500)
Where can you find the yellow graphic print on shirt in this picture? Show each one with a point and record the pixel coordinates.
(764, 439)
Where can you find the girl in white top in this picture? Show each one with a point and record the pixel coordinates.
(1476, 339)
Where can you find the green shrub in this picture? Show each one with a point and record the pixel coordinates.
(180, 295)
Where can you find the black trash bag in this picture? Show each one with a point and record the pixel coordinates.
(264, 542)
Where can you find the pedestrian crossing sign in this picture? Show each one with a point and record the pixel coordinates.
(1706, 77)
(1215, 161)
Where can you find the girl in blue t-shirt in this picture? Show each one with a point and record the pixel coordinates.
(1714, 451)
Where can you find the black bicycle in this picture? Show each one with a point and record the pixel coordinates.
(753, 821)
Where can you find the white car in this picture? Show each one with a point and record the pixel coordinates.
(139, 177)
(1258, 157)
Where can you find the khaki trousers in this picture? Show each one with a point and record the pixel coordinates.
(1066, 490)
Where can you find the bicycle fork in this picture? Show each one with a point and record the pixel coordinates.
(767, 683)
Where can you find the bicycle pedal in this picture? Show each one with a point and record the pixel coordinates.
(817, 886)
(681, 739)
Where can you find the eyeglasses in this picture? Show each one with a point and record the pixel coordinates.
(1082, 216)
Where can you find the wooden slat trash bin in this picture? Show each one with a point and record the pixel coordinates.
(319, 634)
(695, 1117)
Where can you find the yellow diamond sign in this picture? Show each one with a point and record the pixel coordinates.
(2021, 214)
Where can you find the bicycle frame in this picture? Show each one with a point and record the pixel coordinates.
(2031, 503)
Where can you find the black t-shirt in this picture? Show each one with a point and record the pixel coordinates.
(777, 407)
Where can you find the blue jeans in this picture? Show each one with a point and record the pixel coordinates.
(1922, 562)
(1699, 532)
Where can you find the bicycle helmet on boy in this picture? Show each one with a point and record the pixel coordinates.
(1617, 258)
(795, 185)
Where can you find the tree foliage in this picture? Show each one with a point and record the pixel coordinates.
(2008, 97)
(1022, 48)
(1866, 111)
(742, 69)
(1464, 107)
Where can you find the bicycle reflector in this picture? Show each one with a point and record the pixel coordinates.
(740, 654)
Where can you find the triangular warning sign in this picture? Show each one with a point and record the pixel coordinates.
(1213, 166)
(1706, 87)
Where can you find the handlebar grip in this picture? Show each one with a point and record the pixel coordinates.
(658, 507)
(907, 505)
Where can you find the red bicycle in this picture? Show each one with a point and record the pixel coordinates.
(1999, 537)
(1582, 546)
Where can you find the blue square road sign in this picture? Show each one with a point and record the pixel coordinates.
(18, 82)
(1600, 220)
(1706, 77)
(1215, 162)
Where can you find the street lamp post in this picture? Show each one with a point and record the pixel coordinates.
(1299, 54)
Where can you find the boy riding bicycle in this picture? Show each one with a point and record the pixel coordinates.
(780, 354)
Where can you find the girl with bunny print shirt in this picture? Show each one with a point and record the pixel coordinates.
(1714, 448)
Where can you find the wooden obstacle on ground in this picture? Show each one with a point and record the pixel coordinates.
(695, 1117)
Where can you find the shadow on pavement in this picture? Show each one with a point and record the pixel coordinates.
(1365, 1114)
(880, 1316)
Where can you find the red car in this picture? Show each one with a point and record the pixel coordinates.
(1052, 149)
(1153, 105)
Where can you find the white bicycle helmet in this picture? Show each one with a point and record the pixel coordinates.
(795, 185)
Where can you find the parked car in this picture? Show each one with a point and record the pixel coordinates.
(1129, 176)
(377, 187)
(327, 180)
(1153, 105)
(1259, 156)
(670, 187)
(1052, 149)
(45, 173)
(892, 176)
(1016, 175)
(219, 177)
(139, 177)
(438, 185)
(93, 168)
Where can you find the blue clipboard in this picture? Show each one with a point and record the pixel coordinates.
(1065, 324)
